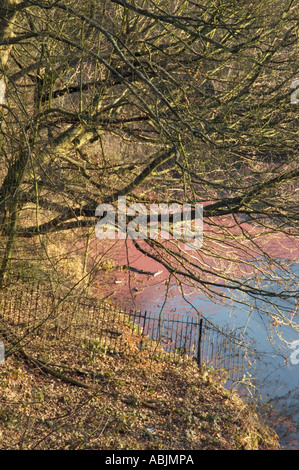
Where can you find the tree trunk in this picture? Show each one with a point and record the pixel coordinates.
(9, 208)
(8, 14)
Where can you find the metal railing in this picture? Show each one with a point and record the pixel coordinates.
(41, 319)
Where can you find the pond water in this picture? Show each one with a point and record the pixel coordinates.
(273, 371)
(274, 375)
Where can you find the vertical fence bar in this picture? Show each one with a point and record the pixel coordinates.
(199, 344)
(192, 345)
(174, 344)
(142, 331)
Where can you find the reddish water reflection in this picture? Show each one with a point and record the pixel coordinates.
(230, 251)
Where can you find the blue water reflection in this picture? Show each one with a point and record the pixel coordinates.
(275, 377)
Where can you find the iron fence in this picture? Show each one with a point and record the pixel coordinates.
(41, 317)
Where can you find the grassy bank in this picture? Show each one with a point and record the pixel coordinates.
(120, 401)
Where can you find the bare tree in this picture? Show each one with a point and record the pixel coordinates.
(158, 101)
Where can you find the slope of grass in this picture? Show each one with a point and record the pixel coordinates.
(130, 401)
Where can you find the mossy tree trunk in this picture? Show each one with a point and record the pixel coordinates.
(9, 192)
(9, 207)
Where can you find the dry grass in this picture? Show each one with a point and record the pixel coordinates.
(131, 402)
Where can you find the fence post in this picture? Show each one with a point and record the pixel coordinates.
(199, 344)
(142, 332)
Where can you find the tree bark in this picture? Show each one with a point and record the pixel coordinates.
(8, 14)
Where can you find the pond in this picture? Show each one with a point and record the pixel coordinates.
(274, 375)
(273, 371)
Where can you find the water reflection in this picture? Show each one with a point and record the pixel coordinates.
(275, 377)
